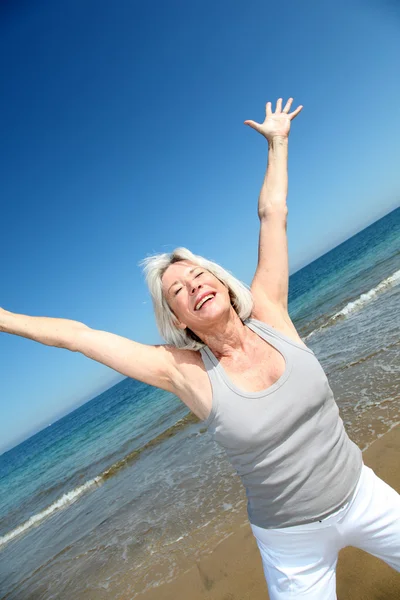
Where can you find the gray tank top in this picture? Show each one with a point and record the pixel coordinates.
(287, 443)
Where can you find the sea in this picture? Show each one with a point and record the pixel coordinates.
(128, 491)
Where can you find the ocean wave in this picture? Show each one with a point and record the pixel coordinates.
(134, 455)
(359, 303)
(68, 498)
(64, 501)
(367, 357)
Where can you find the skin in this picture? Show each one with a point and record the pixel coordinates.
(216, 323)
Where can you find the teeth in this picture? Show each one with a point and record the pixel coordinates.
(200, 304)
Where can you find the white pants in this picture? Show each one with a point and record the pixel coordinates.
(300, 561)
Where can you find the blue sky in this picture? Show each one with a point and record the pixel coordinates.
(122, 135)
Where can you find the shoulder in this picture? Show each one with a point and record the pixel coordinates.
(277, 317)
(190, 381)
(181, 363)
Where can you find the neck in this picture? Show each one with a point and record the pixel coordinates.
(226, 337)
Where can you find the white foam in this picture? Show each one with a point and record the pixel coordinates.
(393, 425)
(361, 301)
(59, 504)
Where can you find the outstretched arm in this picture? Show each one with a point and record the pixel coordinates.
(271, 280)
(154, 365)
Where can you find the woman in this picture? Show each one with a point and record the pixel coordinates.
(235, 359)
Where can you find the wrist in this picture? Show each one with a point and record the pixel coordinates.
(277, 141)
(5, 320)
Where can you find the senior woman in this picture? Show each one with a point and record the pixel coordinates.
(236, 360)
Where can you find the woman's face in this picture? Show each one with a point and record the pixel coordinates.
(184, 284)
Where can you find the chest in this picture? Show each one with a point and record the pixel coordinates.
(255, 370)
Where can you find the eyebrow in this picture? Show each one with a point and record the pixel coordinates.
(175, 282)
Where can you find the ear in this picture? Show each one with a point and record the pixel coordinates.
(178, 324)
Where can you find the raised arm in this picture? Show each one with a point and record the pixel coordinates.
(151, 364)
(270, 284)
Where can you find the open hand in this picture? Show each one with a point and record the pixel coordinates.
(276, 123)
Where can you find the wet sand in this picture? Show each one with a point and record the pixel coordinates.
(233, 570)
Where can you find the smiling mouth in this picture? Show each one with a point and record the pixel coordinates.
(210, 298)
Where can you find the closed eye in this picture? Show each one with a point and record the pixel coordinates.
(179, 289)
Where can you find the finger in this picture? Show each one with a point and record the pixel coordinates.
(268, 111)
(253, 124)
(278, 105)
(288, 105)
(294, 114)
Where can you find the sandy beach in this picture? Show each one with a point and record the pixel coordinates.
(233, 570)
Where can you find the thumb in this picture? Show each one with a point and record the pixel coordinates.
(253, 124)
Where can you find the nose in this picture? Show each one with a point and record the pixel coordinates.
(194, 287)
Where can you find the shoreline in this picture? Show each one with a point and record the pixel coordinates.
(233, 569)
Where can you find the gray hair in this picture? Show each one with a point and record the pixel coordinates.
(155, 267)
